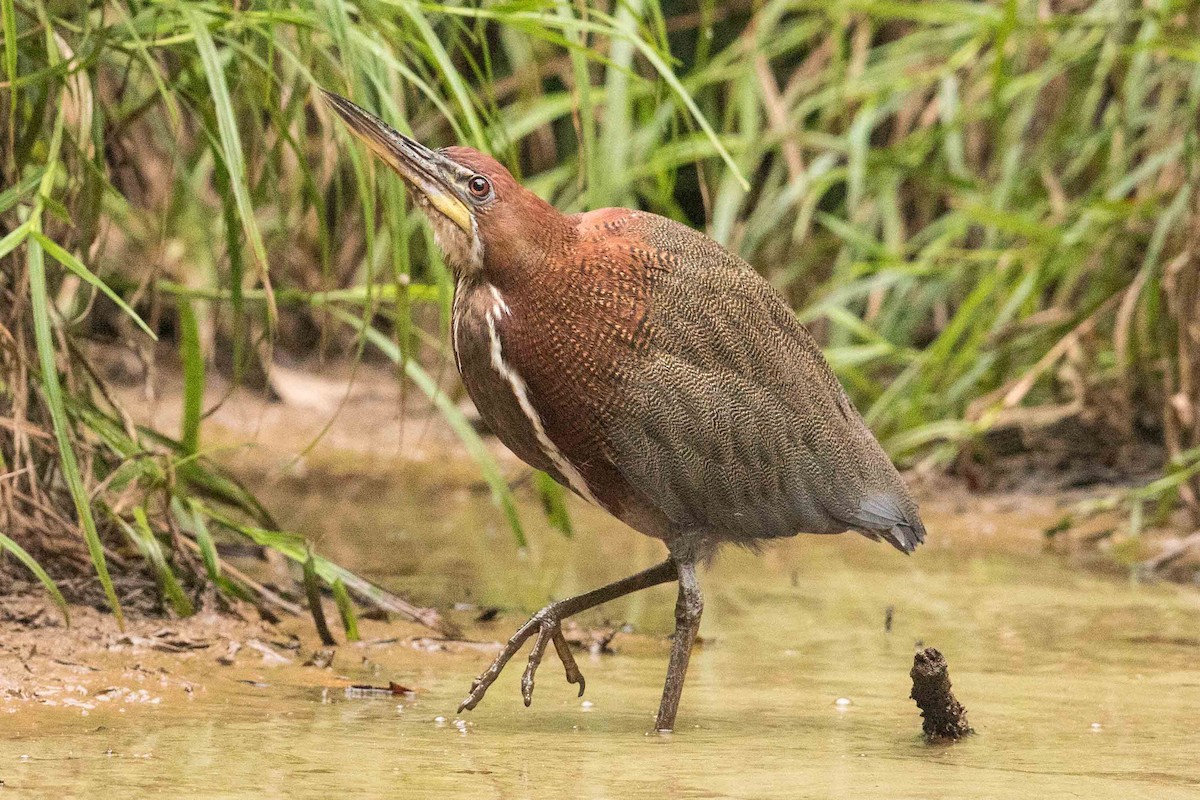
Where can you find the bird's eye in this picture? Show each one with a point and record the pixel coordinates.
(479, 187)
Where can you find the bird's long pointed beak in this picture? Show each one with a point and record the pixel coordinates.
(425, 170)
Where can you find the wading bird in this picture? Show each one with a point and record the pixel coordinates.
(651, 372)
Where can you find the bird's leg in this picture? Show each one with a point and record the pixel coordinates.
(547, 623)
(688, 609)
(550, 629)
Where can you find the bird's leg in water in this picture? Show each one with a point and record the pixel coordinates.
(547, 624)
(688, 609)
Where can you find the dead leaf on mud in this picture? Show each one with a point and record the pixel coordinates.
(65, 663)
(366, 690)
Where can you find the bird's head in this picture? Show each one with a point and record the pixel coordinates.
(478, 211)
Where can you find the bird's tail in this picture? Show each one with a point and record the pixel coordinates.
(905, 536)
(880, 516)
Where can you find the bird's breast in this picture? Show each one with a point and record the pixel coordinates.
(497, 374)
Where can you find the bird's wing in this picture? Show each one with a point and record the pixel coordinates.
(732, 421)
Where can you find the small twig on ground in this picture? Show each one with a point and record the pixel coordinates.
(944, 718)
(428, 617)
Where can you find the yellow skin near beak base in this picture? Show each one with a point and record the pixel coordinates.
(425, 170)
(446, 203)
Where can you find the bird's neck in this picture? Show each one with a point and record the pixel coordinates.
(528, 252)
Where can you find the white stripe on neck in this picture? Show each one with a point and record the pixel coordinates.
(521, 391)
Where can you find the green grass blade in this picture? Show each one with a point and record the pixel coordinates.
(345, 606)
(145, 540)
(466, 434)
(616, 137)
(9, 14)
(15, 238)
(553, 497)
(75, 265)
(10, 196)
(231, 148)
(192, 518)
(237, 272)
(312, 591)
(33, 566)
(193, 376)
(44, 338)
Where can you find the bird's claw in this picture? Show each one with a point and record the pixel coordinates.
(480, 685)
(568, 661)
(535, 660)
(549, 630)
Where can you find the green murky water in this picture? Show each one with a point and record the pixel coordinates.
(1078, 685)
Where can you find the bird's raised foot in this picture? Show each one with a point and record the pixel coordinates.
(548, 627)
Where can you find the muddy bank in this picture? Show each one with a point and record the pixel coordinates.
(155, 660)
(47, 665)
(92, 665)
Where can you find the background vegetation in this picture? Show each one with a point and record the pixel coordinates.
(989, 212)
